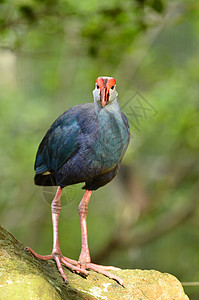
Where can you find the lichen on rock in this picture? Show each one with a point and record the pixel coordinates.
(22, 276)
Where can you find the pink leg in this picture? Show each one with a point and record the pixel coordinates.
(84, 258)
(56, 253)
(55, 209)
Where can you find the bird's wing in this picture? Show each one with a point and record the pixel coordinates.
(59, 143)
(126, 123)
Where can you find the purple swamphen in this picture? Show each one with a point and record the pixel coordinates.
(85, 144)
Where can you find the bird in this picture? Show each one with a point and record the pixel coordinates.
(85, 144)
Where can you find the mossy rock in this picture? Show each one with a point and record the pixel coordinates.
(24, 277)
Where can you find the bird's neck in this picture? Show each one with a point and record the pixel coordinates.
(113, 106)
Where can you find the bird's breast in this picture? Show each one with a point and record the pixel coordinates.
(110, 142)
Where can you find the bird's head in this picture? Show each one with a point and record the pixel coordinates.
(105, 90)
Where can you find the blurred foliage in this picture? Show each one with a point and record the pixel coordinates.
(51, 53)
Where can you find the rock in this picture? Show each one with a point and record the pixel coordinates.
(22, 276)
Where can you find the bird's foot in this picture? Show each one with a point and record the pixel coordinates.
(102, 270)
(78, 267)
(59, 258)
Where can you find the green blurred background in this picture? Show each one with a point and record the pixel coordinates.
(50, 55)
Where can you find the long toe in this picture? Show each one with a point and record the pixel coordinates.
(103, 270)
(70, 261)
(59, 266)
(107, 267)
(72, 267)
(43, 257)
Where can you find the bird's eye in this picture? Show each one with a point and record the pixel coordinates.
(112, 87)
(97, 86)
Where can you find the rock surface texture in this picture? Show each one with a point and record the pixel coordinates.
(22, 276)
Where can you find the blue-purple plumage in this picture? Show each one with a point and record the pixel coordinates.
(84, 144)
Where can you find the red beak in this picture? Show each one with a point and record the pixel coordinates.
(103, 96)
